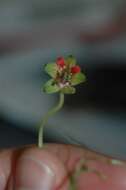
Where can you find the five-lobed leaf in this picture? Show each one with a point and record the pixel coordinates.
(50, 87)
(78, 78)
(66, 77)
(51, 69)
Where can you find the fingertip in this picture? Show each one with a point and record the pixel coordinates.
(38, 169)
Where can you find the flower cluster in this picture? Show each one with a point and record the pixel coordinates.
(65, 75)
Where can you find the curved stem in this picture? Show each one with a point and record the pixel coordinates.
(46, 117)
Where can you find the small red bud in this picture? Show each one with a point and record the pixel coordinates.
(75, 69)
(60, 62)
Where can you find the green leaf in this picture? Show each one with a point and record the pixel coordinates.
(78, 78)
(68, 90)
(50, 87)
(51, 69)
(71, 60)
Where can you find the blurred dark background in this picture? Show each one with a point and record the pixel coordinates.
(34, 32)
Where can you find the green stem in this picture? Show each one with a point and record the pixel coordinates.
(46, 117)
(72, 183)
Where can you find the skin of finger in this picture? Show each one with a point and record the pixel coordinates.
(10, 162)
(115, 174)
(48, 159)
(70, 155)
(67, 156)
(107, 176)
(6, 165)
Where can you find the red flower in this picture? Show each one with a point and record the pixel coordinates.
(60, 62)
(75, 69)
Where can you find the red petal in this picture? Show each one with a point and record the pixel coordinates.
(60, 62)
(75, 69)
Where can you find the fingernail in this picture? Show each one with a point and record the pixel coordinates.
(33, 174)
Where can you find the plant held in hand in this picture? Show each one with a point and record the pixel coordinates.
(65, 75)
